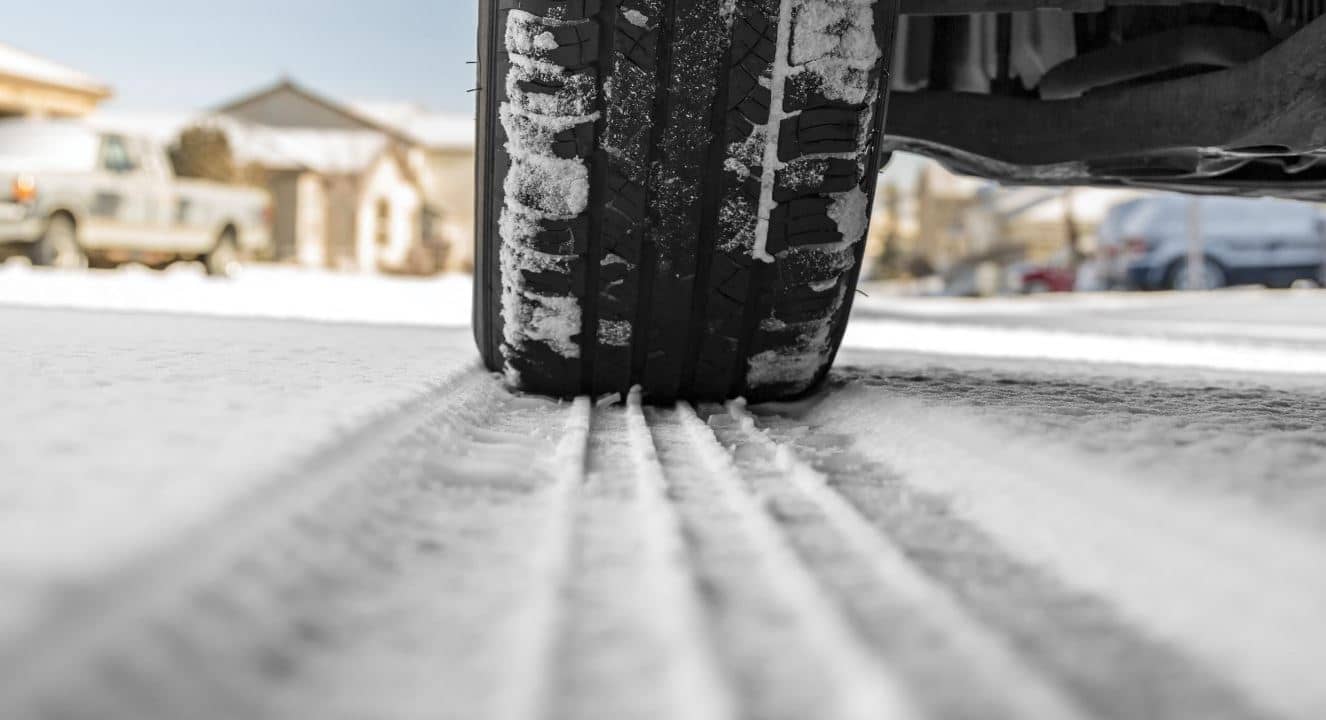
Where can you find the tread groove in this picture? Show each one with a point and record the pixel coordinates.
(712, 184)
(589, 326)
(649, 251)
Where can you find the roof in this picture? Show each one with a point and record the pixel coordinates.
(437, 130)
(330, 152)
(20, 64)
(406, 122)
(286, 85)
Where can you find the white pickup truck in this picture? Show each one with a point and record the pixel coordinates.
(73, 195)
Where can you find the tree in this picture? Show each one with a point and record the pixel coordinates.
(204, 153)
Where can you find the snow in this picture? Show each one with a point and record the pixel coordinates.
(437, 130)
(329, 152)
(258, 291)
(1119, 505)
(1240, 331)
(1056, 345)
(120, 429)
(996, 659)
(1183, 565)
(768, 139)
(863, 689)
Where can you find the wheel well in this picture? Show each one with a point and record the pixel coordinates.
(229, 230)
(64, 214)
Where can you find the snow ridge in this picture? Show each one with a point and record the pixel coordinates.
(695, 671)
(1200, 572)
(777, 113)
(865, 689)
(1023, 688)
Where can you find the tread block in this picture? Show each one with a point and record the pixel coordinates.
(820, 131)
(816, 176)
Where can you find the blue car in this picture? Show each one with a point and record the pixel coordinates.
(1275, 243)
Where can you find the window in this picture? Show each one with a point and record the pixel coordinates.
(384, 223)
(115, 156)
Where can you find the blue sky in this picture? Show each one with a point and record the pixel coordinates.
(186, 54)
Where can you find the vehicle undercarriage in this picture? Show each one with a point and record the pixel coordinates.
(1226, 97)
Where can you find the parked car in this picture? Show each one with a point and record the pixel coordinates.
(1244, 242)
(1049, 278)
(74, 195)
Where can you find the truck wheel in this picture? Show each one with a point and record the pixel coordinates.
(675, 194)
(58, 246)
(223, 260)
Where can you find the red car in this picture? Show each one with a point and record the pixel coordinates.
(1048, 279)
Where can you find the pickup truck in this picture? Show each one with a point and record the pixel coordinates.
(73, 195)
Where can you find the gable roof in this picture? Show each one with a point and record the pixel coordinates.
(288, 86)
(24, 65)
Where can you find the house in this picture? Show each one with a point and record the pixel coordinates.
(447, 141)
(36, 87)
(350, 191)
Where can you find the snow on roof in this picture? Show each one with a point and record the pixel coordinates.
(326, 151)
(438, 130)
(17, 63)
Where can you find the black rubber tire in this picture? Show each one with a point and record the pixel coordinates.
(58, 246)
(619, 231)
(223, 258)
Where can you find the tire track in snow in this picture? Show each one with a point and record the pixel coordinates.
(794, 653)
(1240, 594)
(553, 564)
(349, 587)
(996, 679)
(698, 678)
(1116, 670)
(632, 641)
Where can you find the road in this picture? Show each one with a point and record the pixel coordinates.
(211, 517)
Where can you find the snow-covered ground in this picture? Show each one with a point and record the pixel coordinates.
(1052, 508)
(256, 292)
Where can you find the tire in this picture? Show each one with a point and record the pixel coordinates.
(59, 247)
(223, 260)
(1213, 272)
(627, 155)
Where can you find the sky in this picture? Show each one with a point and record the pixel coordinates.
(191, 54)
